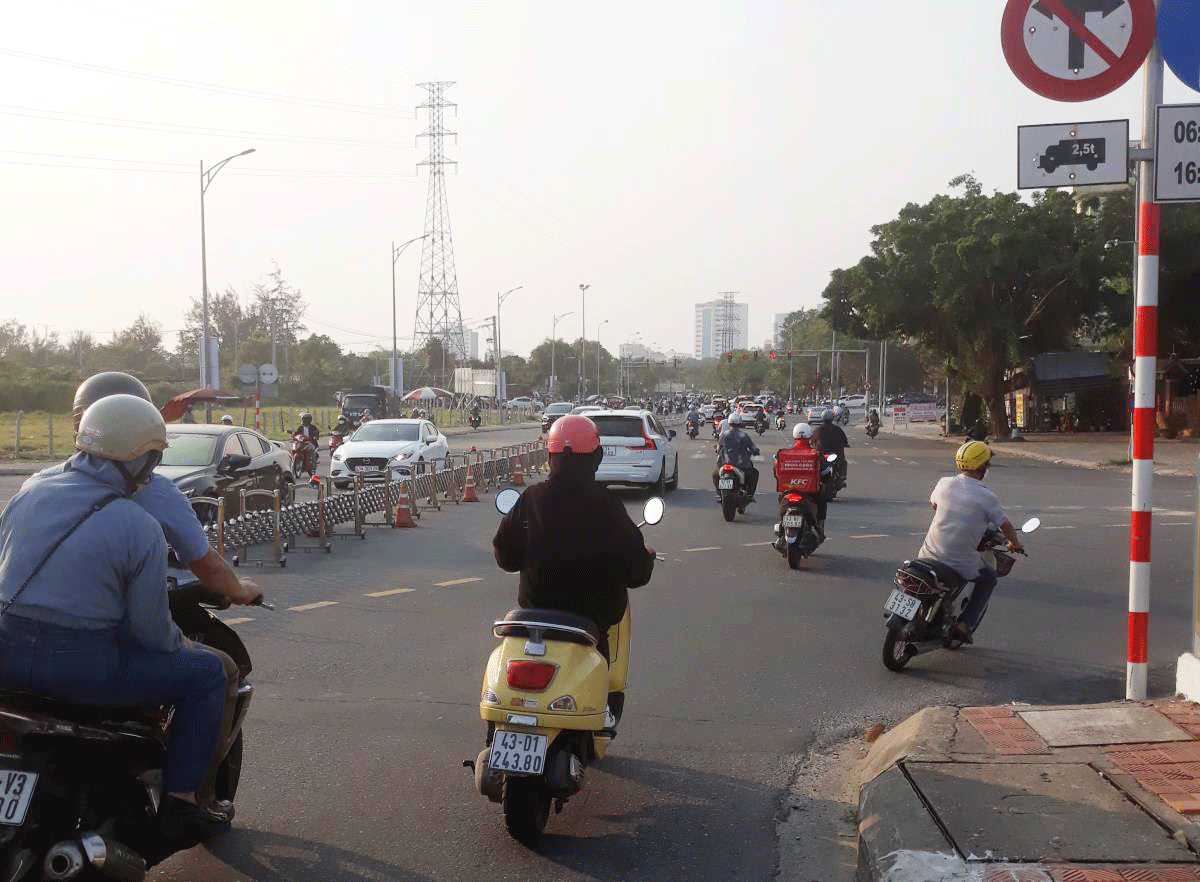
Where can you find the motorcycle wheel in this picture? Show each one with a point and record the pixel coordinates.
(895, 651)
(728, 507)
(526, 804)
(297, 465)
(794, 556)
(229, 773)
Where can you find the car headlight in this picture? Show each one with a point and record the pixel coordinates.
(398, 458)
(337, 456)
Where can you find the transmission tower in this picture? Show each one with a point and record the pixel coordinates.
(728, 321)
(438, 313)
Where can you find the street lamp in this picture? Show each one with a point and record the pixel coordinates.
(206, 179)
(598, 327)
(583, 341)
(553, 340)
(500, 298)
(396, 252)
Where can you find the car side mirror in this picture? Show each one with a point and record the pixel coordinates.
(232, 463)
(671, 434)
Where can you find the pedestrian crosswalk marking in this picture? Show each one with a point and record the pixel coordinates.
(388, 593)
(454, 582)
(305, 607)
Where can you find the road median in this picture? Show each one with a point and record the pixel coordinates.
(1068, 793)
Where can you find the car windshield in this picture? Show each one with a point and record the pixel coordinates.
(558, 408)
(617, 426)
(357, 402)
(189, 449)
(387, 432)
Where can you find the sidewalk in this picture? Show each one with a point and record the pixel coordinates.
(1077, 793)
(1089, 450)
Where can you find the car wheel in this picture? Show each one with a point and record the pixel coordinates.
(659, 487)
(674, 484)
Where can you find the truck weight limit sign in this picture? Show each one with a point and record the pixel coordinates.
(1177, 154)
(1076, 50)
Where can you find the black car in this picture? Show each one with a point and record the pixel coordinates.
(553, 412)
(220, 461)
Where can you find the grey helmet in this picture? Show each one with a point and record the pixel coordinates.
(827, 416)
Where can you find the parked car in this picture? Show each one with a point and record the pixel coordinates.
(403, 446)
(523, 402)
(553, 412)
(219, 461)
(637, 450)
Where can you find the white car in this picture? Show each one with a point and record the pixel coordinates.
(403, 446)
(637, 450)
(523, 402)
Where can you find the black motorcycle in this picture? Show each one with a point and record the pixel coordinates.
(693, 429)
(930, 598)
(84, 783)
(475, 420)
(731, 491)
(872, 429)
(760, 424)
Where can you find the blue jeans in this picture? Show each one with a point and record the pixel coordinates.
(985, 583)
(106, 668)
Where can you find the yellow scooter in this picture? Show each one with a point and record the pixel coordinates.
(551, 702)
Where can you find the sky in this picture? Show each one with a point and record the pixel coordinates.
(658, 151)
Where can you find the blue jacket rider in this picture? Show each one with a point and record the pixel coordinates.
(738, 449)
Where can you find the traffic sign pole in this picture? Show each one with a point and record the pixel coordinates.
(1145, 368)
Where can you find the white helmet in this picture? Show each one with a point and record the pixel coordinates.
(227, 420)
(802, 430)
(735, 418)
(121, 428)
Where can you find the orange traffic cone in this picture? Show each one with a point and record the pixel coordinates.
(469, 494)
(518, 476)
(404, 516)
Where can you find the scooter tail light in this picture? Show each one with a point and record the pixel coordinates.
(794, 499)
(530, 676)
(565, 703)
(727, 468)
(489, 697)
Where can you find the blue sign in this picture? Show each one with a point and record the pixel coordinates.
(1179, 37)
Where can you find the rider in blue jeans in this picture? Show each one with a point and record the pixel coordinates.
(83, 600)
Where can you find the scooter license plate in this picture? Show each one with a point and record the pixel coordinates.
(16, 792)
(903, 605)
(518, 753)
(725, 484)
(793, 521)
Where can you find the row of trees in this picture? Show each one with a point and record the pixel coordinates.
(976, 282)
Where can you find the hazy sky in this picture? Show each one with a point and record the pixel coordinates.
(657, 151)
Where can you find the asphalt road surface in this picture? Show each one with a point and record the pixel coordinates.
(368, 674)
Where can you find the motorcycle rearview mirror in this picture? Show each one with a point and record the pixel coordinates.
(1030, 525)
(653, 512)
(832, 457)
(506, 500)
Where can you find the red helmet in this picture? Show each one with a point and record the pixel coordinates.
(573, 434)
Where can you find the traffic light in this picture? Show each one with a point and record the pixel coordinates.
(774, 355)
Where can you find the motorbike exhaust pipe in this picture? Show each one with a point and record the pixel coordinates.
(111, 859)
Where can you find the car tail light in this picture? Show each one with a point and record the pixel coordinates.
(530, 676)
(648, 445)
(794, 499)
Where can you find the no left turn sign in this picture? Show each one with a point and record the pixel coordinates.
(1076, 50)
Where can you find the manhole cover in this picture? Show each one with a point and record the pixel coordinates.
(1036, 812)
(1135, 724)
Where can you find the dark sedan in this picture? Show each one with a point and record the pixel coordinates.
(553, 412)
(220, 461)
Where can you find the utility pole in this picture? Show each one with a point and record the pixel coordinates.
(583, 341)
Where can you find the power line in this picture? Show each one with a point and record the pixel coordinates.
(254, 173)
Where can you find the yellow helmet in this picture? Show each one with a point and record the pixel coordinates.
(972, 455)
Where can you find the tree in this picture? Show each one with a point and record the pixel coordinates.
(968, 276)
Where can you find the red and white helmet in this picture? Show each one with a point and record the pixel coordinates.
(573, 434)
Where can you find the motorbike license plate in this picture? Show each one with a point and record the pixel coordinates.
(16, 792)
(903, 605)
(793, 520)
(519, 753)
(725, 484)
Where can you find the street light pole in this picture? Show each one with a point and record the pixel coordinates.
(553, 341)
(396, 252)
(583, 341)
(598, 327)
(206, 179)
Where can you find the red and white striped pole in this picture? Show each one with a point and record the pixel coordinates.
(1145, 370)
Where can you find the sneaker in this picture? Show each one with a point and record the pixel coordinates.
(962, 631)
(183, 821)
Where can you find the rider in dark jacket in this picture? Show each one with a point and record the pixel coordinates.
(828, 438)
(571, 539)
(738, 449)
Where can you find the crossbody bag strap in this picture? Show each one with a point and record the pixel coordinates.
(53, 548)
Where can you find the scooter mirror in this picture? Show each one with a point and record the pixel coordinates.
(831, 457)
(1030, 525)
(506, 500)
(653, 512)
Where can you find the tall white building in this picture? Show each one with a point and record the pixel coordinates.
(777, 330)
(471, 339)
(721, 330)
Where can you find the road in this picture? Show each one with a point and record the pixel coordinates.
(366, 706)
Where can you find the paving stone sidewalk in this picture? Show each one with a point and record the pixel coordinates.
(1018, 793)
(1092, 450)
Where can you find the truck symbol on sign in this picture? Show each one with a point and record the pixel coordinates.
(1080, 151)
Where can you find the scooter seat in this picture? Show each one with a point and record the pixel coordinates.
(947, 575)
(141, 720)
(556, 624)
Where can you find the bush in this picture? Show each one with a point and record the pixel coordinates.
(1174, 423)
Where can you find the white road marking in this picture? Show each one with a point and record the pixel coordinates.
(919, 533)
(871, 536)
(699, 456)
(880, 462)
(454, 582)
(755, 544)
(1176, 524)
(705, 548)
(1059, 527)
(1066, 507)
(388, 593)
(305, 607)
(241, 620)
(1122, 524)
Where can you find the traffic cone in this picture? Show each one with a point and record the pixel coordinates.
(404, 516)
(469, 494)
(315, 480)
(518, 476)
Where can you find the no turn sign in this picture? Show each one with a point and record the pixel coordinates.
(1076, 50)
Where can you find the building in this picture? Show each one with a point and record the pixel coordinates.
(641, 352)
(471, 339)
(777, 341)
(721, 326)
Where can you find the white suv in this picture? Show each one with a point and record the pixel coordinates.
(637, 450)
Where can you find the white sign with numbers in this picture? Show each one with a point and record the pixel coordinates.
(1177, 154)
